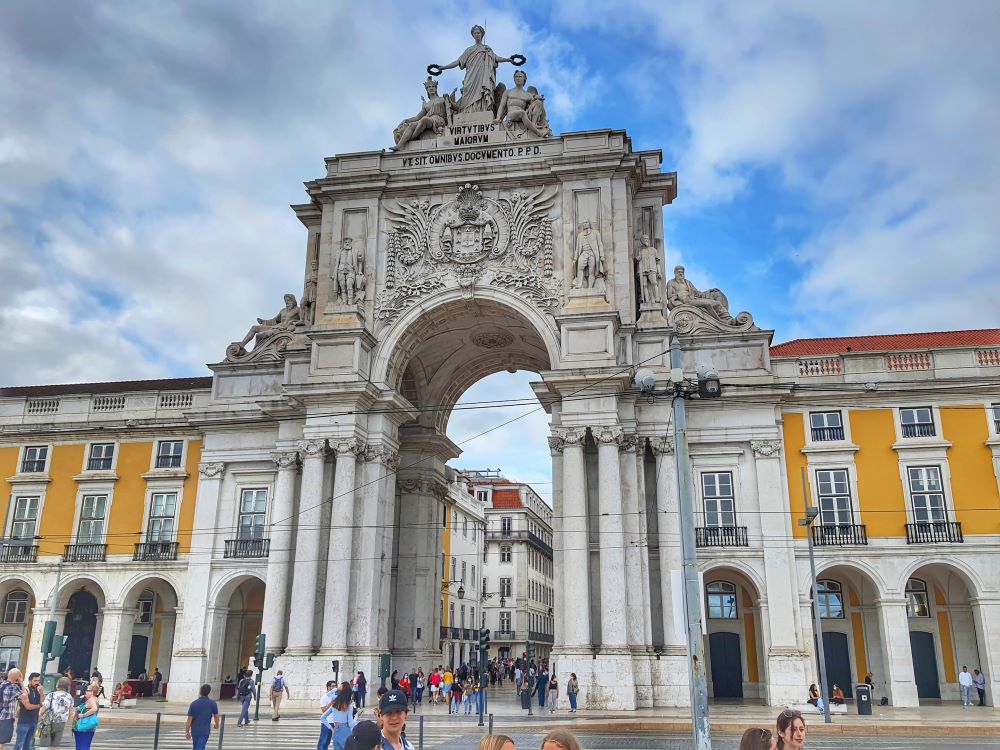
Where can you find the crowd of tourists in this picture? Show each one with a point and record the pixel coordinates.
(29, 714)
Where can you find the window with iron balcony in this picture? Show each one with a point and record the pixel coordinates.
(33, 461)
(917, 422)
(826, 426)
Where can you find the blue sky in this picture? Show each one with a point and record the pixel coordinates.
(837, 162)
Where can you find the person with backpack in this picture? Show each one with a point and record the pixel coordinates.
(245, 693)
(279, 689)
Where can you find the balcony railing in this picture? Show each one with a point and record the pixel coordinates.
(504, 635)
(168, 462)
(85, 552)
(721, 536)
(466, 634)
(839, 535)
(18, 553)
(540, 637)
(920, 429)
(32, 467)
(247, 548)
(824, 434)
(456, 634)
(930, 532)
(501, 536)
(99, 464)
(148, 551)
(444, 632)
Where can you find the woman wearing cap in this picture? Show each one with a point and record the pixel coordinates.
(340, 718)
(392, 710)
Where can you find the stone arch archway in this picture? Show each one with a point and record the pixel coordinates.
(145, 639)
(17, 618)
(236, 613)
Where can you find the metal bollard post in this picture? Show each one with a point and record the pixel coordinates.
(420, 736)
(491, 724)
(222, 729)
(156, 732)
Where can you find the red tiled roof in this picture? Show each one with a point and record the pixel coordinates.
(121, 386)
(507, 499)
(887, 342)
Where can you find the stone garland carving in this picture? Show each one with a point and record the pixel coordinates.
(423, 487)
(271, 336)
(285, 459)
(765, 448)
(693, 311)
(466, 241)
(495, 339)
(211, 469)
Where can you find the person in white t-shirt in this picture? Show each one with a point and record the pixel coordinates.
(965, 682)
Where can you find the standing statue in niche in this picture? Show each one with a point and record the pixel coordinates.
(681, 292)
(433, 116)
(648, 260)
(588, 257)
(516, 106)
(350, 274)
(480, 62)
(287, 319)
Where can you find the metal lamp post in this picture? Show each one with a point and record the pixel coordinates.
(812, 512)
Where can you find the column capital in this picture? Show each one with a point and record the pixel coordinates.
(312, 448)
(343, 446)
(662, 445)
(766, 448)
(629, 443)
(570, 435)
(608, 434)
(383, 454)
(285, 459)
(556, 445)
(211, 469)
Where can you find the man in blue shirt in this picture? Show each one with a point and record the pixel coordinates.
(201, 714)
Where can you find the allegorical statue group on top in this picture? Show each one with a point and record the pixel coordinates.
(471, 230)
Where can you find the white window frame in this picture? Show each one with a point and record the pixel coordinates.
(835, 496)
(823, 599)
(506, 526)
(90, 457)
(146, 607)
(483, 496)
(263, 526)
(23, 611)
(508, 551)
(181, 458)
(15, 498)
(993, 416)
(508, 626)
(718, 499)
(80, 519)
(825, 414)
(152, 518)
(23, 458)
(508, 584)
(934, 422)
(914, 595)
(945, 509)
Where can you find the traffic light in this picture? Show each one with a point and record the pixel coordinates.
(269, 661)
(531, 651)
(484, 639)
(59, 645)
(48, 635)
(260, 650)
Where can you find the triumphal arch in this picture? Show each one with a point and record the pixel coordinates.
(481, 241)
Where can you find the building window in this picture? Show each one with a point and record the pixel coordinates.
(826, 425)
(830, 600)
(505, 553)
(472, 617)
(162, 508)
(505, 587)
(720, 505)
(462, 623)
(444, 518)
(15, 609)
(995, 409)
(33, 460)
(454, 520)
(916, 598)
(483, 496)
(253, 508)
(451, 615)
(146, 607)
(473, 576)
(506, 523)
(444, 565)
(92, 518)
(465, 526)
(101, 457)
(721, 600)
(10, 651)
(463, 571)
(454, 570)
(25, 519)
(168, 454)
(505, 626)
(927, 494)
(917, 422)
(834, 497)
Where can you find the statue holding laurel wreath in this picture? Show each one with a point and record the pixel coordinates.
(480, 92)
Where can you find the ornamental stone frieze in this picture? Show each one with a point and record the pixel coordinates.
(211, 469)
(766, 448)
(468, 241)
(285, 459)
(417, 486)
(383, 454)
(662, 446)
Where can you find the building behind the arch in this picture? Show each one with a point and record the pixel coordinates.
(302, 490)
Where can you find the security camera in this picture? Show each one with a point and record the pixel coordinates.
(645, 380)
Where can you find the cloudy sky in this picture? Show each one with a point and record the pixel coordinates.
(838, 167)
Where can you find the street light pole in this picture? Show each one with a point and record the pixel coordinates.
(692, 591)
(811, 513)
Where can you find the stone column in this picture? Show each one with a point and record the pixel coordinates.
(556, 445)
(274, 623)
(302, 623)
(341, 548)
(614, 607)
(788, 657)
(115, 644)
(895, 626)
(640, 476)
(575, 544)
(637, 585)
(189, 662)
(668, 537)
(986, 616)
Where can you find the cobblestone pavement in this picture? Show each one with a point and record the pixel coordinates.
(294, 734)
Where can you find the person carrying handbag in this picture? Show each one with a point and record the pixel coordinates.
(54, 714)
(85, 720)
